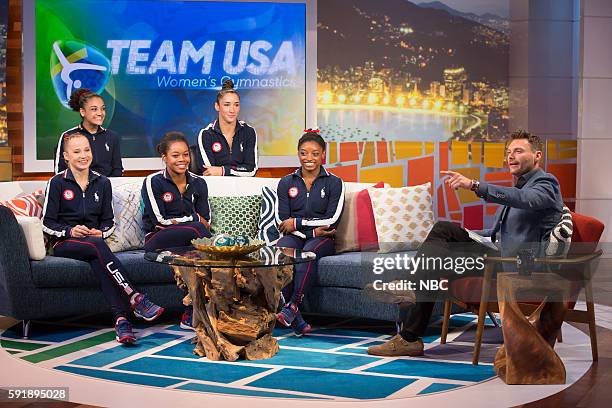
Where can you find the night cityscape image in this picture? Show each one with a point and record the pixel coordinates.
(416, 71)
(3, 27)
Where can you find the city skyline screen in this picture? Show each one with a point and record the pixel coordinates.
(3, 34)
(158, 68)
(412, 71)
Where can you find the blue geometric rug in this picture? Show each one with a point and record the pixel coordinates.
(330, 363)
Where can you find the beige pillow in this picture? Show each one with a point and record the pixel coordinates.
(346, 232)
(128, 233)
(32, 230)
(403, 216)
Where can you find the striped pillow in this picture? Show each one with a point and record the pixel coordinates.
(267, 223)
(561, 235)
(30, 205)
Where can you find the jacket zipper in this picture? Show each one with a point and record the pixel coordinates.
(308, 194)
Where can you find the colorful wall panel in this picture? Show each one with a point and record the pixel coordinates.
(412, 163)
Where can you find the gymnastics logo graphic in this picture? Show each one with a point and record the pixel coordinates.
(75, 64)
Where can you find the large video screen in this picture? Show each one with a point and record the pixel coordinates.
(159, 65)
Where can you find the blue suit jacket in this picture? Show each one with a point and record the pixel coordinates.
(531, 209)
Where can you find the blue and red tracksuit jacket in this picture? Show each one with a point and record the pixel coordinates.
(66, 205)
(105, 149)
(239, 160)
(164, 203)
(321, 206)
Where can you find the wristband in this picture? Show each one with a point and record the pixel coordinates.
(475, 185)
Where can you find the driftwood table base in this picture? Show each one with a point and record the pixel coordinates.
(234, 309)
(528, 356)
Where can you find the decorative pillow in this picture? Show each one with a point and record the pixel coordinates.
(346, 231)
(347, 236)
(128, 232)
(235, 215)
(403, 216)
(267, 224)
(366, 225)
(561, 235)
(29, 205)
(32, 230)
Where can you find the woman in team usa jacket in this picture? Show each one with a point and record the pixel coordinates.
(105, 144)
(227, 146)
(78, 217)
(176, 203)
(309, 207)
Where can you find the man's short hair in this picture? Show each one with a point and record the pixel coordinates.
(534, 140)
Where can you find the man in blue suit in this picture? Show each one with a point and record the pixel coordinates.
(531, 209)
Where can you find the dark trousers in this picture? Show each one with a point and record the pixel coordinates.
(304, 273)
(177, 235)
(446, 239)
(109, 271)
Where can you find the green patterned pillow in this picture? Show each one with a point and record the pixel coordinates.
(235, 215)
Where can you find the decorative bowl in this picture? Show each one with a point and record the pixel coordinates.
(206, 245)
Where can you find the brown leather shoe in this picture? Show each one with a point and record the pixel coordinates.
(397, 346)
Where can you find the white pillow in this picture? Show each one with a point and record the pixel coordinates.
(32, 229)
(561, 236)
(128, 232)
(403, 216)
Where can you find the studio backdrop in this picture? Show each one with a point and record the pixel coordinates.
(159, 65)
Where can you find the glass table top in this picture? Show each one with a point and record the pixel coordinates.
(268, 256)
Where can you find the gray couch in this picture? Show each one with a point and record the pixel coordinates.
(57, 287)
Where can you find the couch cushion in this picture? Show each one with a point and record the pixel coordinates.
(29, 205)
(56, 272)
(355, 270)
(267, 230)
(33, 233)
(404, 216)
(129, 231)
(235, 215)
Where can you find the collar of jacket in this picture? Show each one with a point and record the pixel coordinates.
(69, 176)
(322, 173)
(100, 129)
(522, 180)
(169, 177)
(217, 128)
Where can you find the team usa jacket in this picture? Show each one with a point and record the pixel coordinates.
(239, 160)
(320, 207)
(105, 148)
(67, 206)
(164, 203)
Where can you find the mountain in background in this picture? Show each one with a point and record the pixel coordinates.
(488, 19)
(404, 37)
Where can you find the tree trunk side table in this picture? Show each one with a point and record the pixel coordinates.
(234, 299)
(528, 356)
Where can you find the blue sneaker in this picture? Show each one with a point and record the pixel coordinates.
(186, 320)
(145, 309)
(287, 314)
(299, 325)
(124, 333)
